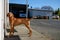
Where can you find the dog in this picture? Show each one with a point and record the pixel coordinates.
(17, 21)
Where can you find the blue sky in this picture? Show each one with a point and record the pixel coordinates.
(39, 3)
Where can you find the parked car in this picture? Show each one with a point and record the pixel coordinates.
(55, 17)
(39, 17)
(46, 17)
(42, 17)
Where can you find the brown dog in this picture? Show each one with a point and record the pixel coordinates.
(17, 21)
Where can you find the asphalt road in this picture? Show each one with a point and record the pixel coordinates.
(47, 27)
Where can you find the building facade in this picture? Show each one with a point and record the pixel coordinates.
(44, 11)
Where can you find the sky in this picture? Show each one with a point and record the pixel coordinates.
(55, 4)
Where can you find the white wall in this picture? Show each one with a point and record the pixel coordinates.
(1, 19)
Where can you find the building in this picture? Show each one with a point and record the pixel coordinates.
(45, 11)
(19, 10)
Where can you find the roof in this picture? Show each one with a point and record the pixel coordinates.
(41, 10)
(47, 8)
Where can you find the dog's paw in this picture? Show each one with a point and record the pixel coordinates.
(10, 34)
(28, 33)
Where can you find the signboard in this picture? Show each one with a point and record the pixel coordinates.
(22, 15)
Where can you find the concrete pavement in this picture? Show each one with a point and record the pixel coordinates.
(22, 32)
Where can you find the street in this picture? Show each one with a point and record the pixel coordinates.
(47, 27)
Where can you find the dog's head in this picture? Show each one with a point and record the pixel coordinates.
(10, 14)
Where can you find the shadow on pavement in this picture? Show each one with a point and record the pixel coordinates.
(8, 30)
(14, 37)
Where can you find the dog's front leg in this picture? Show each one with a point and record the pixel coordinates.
(11, 30)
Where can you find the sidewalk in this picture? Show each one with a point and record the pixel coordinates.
(22, 32)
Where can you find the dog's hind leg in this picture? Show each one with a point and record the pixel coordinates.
(29, 28)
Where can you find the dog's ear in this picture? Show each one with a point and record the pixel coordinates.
(9, 15)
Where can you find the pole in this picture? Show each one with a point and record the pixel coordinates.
(26, 8)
